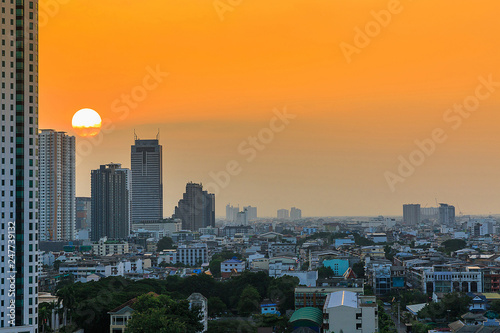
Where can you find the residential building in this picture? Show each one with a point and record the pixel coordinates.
(19, 165)
(57, 185)
(338, 266)
(232, 213)
(295, 214)
(196, 209)
(491, 279)
(198, 301)
(242, 218)
(232, 267)
(193, 255)
(110, 202)
(104, 247)
(146, 161)
(346, 311)
(446, 215)
(83, 212)
(283, 214)
(447, 278)
(252, 212)
(411, 214)
(159, 228)
(278, 265)
(279, 249)
(231, 230)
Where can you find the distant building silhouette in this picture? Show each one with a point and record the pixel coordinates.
(57, 185)
(411, 214)
(446, 214)
(232, 213)
(110, 202)
(295, 214)
(83, 212)
(283, 214)
(147, 180)
(252, 212)
(196, 209)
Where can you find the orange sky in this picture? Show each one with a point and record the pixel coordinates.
(225, 78)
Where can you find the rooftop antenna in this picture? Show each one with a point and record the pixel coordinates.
(158, 135)
(135, 135)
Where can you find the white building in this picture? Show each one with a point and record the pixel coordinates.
(252, 212)
(348, 312)
(104, 247)
(448, 278)
(230, 266)
(160, 228)
(57, 186)
(276, 249)
(278, 265)
(192, 255)
(19, 166)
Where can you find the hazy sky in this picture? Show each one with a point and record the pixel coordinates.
(363, 79)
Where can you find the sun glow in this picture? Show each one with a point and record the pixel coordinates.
(86, 123)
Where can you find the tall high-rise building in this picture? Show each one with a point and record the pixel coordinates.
(232, 213)
(196, 209)
(446, 214)
(411, 214)
(252, 212)
(19, 166)
(295, 214)
(283, 214)
(57, 185)
(83, 212)
(147, 180)
(110, 202)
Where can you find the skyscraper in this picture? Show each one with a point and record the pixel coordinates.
(232, 213)
(283, 214)
(83, 212)
(252, 212)
(196, 209)
(295, 214)
(446, 215)
(110, 202)
(147, 180)
(411, 214)
(19, 166)
(57, 186)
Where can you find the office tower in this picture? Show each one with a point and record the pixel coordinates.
(57, 186)
(110, 202)
(196, 209)
(19, 166)
(283, 214)
(232, 213)
(252, 212)
(83, 212)
(295, 214)
(147, 180)
(411, 214)
(242, 218)
(446, 215)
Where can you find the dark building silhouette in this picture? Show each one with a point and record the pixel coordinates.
(411, 214)
(110, 202)
(147, 180)
(83, 212)
(196, 209)
(446, 214)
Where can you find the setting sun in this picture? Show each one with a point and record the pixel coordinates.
(86, 122)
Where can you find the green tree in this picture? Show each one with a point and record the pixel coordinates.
(282, 291)
(495, 307)
(216, 307)
(452, 245)
(249, 301)
(166, 243)
(325, 272)
(162, 314)
(214, 266)
(362, 241)
(359, 269)
(451, 307)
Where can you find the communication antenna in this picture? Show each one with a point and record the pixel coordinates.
(135, 135)
(158, 135)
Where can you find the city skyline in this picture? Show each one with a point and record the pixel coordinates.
(210, 85)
